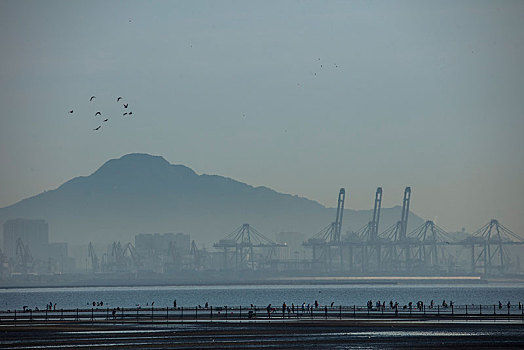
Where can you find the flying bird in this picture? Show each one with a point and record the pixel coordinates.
(98, 113)
(92, 98)
(98, 127)
(118, 99)
(105, 120)
(71, 111)
(125, 113)
(125, 105)
(130, 113)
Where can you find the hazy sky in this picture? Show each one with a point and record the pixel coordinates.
(422, 93)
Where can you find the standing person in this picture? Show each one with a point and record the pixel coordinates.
(284, 309)
(269, 311)
(316, 304)
(174, 303)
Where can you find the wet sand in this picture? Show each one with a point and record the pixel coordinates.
(324, 334)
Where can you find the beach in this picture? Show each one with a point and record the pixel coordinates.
(325, 334)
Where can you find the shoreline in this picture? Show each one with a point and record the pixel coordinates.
(298, 335)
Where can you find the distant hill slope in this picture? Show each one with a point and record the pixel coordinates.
(143, 193)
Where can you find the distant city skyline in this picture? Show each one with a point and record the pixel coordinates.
(301, 97)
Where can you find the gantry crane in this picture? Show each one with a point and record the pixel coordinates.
(243, 241)
(329, 237)
(24, 257)
(92, 257)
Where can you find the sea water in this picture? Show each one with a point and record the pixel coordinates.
(242, 295)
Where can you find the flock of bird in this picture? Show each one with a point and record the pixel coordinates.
(130, 113)
(105, 118)
(322, 66)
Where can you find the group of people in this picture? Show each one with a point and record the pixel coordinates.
(509, 305)
(305, 308)
(48, 307)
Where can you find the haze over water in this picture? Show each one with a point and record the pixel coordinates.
(426, 94)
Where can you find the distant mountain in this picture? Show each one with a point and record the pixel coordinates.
(141, 193)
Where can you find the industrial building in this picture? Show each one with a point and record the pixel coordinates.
(370, 251)
(34, 234)
(26, 249)
(159, 243)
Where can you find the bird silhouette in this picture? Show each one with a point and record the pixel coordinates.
(118, 99)
(105, 120)
(125, 105)
(92, 98)
(130, 113)
(125, 113)
(98, 113)
(71, 111)
(98, 127)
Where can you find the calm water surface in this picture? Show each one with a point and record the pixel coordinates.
(259, 295)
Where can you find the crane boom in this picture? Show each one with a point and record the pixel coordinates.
(376, 214)
(340, 213)
(405, 213)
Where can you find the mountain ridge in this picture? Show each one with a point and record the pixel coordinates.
(139, 193)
